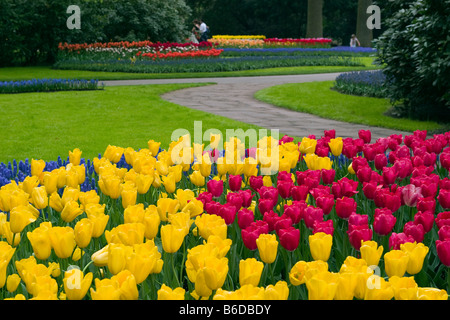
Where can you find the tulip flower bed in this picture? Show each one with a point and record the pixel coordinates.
(47, 85)
(337, 219)
(212, 53)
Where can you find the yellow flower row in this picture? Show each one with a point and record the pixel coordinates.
(239, 37)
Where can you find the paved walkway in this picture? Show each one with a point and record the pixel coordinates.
(234, 98)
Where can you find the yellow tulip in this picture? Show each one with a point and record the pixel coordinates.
(432, 294)
(172, 238)
(371, 252)
(396, 262)
(167, 206)
(6, 253)
(267, 247)
(184, 196)
(279, 291)
(76, 284)
(144, 260)
(83, 232)
(20, 217)
(215, 272)
(350, 169)
(95, 213)
(151, 222)
(113, 153)
(194, 208)
(100, 257)
(267, 181)
(320, 245)
(134, 213)
(416, 253)
(153, 146)
(70, 194)
(405, 288)
(63, 241)
(12, 282)
(250, 271)
(181, 220)
(39, 197)
(169, 182)
(381, 290)
(211, 224)
(128, 234)
(205, 165)
(314, 162)
(346, 287)
(167, 293)
(106, 289)
(307, 146)
(127, 285)
(110, 185)
(55, 202)
(43, 288)
(143, 182)
(37, 167)
(129, 197)
(336, 146)
(197, 178)
(50, 182)
(12, 238)
(359, 269)
(297, 273)
(117, 257)
(322, 286)
(40, 241)
(89, 197)
(71, 211)
(75, 156)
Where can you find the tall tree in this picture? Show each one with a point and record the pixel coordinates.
(363, 33)
(314, 27)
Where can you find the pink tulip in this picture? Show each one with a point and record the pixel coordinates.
(311, 215)
(289, 238)
(247, 197)
(411, 194)
(235, 199)
(444, 198)
(365, 135)
(396, 239)
(444, 233)
(270, 217)
(205, 197)
(245, 217)
(426, 219)
(359, 233)
(384, 221)
(215, 187)
(345, 207)
(294, 212)
(442, 219)
(443, 251)
(299, 192)
(390, 174)
(414, 230)
(284, 188)
(324, 226)
(326, 203)
(228, 212)
(328, 176)
(283, 223)
(265, 205)
(252, 232)
(256, 182)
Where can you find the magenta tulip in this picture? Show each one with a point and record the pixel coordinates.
(345, 207)
(215, 187)
(235, 182)
(245, 217)
(443, 251)
(444, 198)
(289, 238)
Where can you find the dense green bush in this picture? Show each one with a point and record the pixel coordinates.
(415, 49)
(31, 30)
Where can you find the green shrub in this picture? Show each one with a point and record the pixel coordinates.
(415, 49)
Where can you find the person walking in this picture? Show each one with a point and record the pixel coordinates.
(354, 41)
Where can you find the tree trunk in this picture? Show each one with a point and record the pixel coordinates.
(314, 26)
(363, 33)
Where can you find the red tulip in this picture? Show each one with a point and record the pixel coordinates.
(284, 188)
(426, 204)
(235, 182)
(252, 232)
(364, 174)
(384, 221)
(345, 207)
(444, 183)
(235, 199)
(389, 175)
(444, 233)
(328, 176)
(282, 223)
(442, 219)
(284, 175)
(444, 198)
(369, 189)
(443, 251)
(228, 212)
(356, 219)
(426, 219)
(247, 197)
(256, 182)
(326, 203)
(359, 162)
(404, 168)
(293, 212)
(444, 159)
(330, 133)
(265, 205)
(269, 193)
(289, 238)
(369, 152)
(414, 230)
(270, 217)
(359, 233)
(299, 193)
(245, 217)
(311, 215)
(286, 139)
(212, 207)
(205, 197)
(365, 135)
(396, 239)
(380, 161)
(324, 226)
(215, 187)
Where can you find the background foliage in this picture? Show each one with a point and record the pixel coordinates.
(415, 49)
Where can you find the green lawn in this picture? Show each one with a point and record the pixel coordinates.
(48, 125)
(318, 98)
(41, 72)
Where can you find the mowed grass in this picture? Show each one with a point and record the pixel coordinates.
(46, 72)
(48, 125)
(319, 99)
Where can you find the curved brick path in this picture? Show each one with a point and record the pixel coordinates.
(234, 98)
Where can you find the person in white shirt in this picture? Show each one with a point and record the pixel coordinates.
(354, 41)
(202, 29)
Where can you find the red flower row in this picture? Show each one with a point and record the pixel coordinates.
(305, 41)
(133, 44)
(182, 55)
